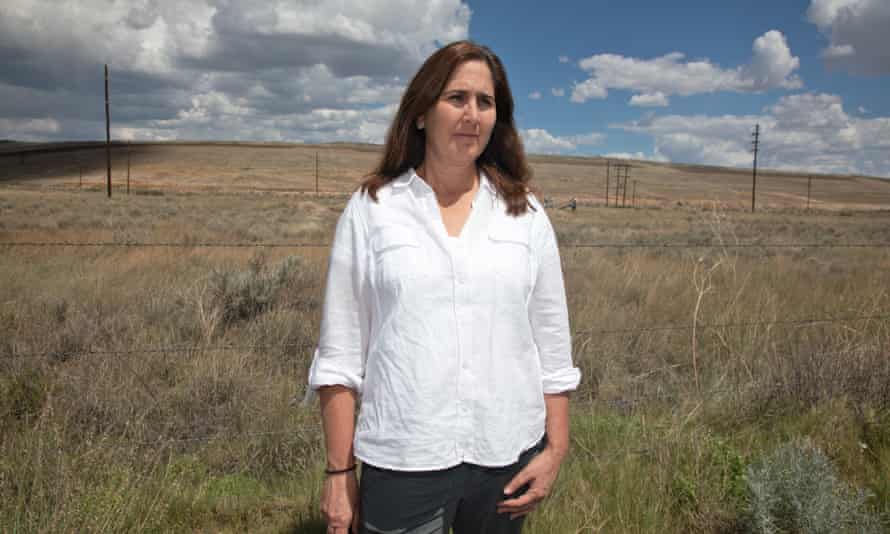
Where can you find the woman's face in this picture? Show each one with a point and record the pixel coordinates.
(458, 126)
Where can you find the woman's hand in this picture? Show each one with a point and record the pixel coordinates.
(340, 503)
(540, 474)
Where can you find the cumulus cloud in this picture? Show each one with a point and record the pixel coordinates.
(799, 132)
(857, 33)
(656, 99)
(534, 95)
(558, 91)
(588, 89)
(258, 69)
(636, 155)
(563, 59)
(771, 66)
(540, 141)
(29, 128)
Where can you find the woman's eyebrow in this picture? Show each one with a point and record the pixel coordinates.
(465, 91)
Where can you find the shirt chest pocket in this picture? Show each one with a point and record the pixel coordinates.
(397, 256)
(511, 258)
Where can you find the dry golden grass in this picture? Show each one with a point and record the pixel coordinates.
(291, 168)
(102, 432)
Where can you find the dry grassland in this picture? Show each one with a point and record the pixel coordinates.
(288, 168)
(156, 389)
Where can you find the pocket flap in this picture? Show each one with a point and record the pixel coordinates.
(510, 231)
(392, 237)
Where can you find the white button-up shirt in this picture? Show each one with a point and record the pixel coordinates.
(451, 342)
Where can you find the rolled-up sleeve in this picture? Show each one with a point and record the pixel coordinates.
(340, 356)
(548, 312)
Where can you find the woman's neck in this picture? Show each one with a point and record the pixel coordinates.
(449, 182)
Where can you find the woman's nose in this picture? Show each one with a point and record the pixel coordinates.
(471, 112)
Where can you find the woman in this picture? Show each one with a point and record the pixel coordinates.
(445, 313)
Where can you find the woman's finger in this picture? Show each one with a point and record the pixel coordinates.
(518, 481)
(529, 498)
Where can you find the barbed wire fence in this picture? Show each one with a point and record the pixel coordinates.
(12, 353)
(316, 171)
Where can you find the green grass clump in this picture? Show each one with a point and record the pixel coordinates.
(797, 489)
(239, 296)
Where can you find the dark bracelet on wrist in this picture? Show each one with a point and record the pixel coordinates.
(338, 471)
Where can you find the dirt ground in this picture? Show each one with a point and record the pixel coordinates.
(337, 168)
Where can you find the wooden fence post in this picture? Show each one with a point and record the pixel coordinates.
(607, 183)
(107, 132)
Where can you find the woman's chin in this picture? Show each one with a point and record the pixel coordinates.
(466, 153)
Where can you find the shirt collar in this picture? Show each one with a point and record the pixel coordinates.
(405, 179)
(410, 176)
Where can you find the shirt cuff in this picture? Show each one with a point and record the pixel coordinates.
(562, 381)
(330, 371)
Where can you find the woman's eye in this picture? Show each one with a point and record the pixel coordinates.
(456, 98)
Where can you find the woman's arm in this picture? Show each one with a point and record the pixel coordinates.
(338, 419)
(340, 497)
(557, 424)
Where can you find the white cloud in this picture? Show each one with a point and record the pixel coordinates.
(656, 99)
(857, 33)
(838, 51)
(256, 69)
(771, 66)
(799, 132)
(27, 129)
(534, 95)
(540, 141)
(636, 155)
(563, 59)
(592, 138)
(625, 155)
(588, 89)
(558, 91)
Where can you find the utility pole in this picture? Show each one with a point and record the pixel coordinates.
(128, 167)
(756, 144)
(316, 173)
(624, 187)
(607, 183)
(809, 187)
(107, 132)
(633, 202)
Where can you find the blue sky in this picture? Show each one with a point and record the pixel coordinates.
(681, 81)
(721, 33)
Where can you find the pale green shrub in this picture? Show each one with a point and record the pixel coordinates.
(796, 489)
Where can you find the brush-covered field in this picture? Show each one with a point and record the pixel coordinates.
(158, 389)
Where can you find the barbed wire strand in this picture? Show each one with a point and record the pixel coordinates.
(199, 348)
(710, 326)
(205, 244)
(294, 432)
(126, 244)
(159, 350)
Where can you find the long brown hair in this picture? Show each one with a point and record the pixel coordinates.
(503, 159)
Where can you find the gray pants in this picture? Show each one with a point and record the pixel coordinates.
(463, 497)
